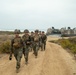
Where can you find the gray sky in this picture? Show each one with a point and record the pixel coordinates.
(37, 14)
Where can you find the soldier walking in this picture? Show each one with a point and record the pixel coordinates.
(40, 42)
(27, 42)
(44, 39)
(36, 43)
(32, 40)
(17, 49)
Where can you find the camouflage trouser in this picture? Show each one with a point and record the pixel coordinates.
(36, 48)
(40, 44)
(18, 55)
(31, 46)
(26, 53)
(43, 46)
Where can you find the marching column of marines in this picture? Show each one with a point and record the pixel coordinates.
(25, 44)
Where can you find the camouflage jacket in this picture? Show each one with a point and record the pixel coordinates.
(16, 41)
(36, 38)
(43, 38)
(26, 39)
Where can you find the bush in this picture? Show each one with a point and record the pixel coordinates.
(73, 48)
(69, 44)
(72, 40)
(5, 47)
(6, 32)
(65, 43)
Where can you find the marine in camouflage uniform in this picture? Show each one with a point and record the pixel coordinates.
(43, 38)
(17, 48)
(27, 42)
(32, 35)
(40, 42)
(36, 43)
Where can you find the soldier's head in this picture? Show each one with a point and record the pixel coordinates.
(36, 31)
(43, 32)
(26, 31)
(17, 32)
(32, 32)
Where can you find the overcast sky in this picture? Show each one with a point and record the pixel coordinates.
(37, 14)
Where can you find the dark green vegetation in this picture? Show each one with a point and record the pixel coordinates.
(6, 32)
(5, 43)
(5, 47)
(68, 44)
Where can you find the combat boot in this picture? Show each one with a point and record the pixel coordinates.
(26, 61)
(17, 70)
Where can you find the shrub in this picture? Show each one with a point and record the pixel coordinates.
(73, 48)
(65, 43)
(72, 40)
(69, 44)
(5, 47)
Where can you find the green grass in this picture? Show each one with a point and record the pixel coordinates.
(69, 44)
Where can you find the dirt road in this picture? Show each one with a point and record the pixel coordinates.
(54, 61)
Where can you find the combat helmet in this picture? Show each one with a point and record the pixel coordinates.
(43, 32)
(32, 32)
(36, 30)
(26, 31)
(17, 31)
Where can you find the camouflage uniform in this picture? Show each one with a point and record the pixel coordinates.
(27, 41)
(43, 38)
(32, 35)
(17, 48)
(40, 42)
(36, 43)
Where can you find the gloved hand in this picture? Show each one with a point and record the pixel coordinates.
(10, 58)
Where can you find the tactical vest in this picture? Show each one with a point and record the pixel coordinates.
(17, 42)
(26, 39)
(43, 37)
(36, 38)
